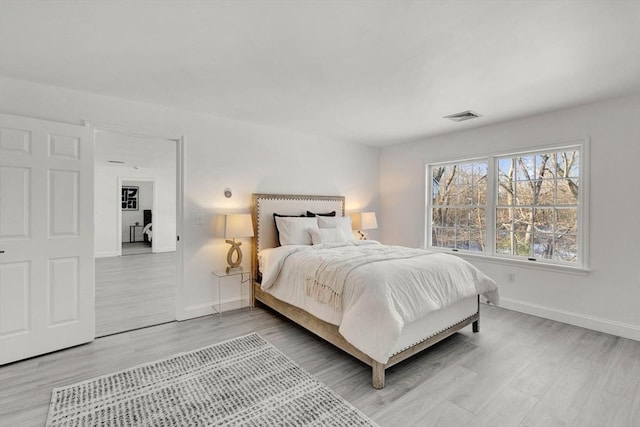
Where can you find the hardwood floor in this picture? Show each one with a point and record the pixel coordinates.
(134, 291)
(519, 370)
(136, 248)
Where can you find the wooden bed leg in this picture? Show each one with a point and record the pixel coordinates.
(378, 374)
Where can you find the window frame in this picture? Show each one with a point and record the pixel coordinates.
(490, 254)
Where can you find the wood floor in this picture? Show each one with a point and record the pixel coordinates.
(519, 370)
(134, 291)
(136, 248)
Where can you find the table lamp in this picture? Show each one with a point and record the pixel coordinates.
(236, 226)
(363, 221)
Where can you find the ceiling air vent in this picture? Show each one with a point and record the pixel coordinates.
(461, 117)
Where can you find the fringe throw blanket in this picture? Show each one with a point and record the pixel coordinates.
(331, 267)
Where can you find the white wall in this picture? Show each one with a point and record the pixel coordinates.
(219, 153)
(608, 297)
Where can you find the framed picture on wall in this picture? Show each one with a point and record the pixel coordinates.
(130, 198)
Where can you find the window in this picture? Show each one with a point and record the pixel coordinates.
(523, 205)
(459, 204)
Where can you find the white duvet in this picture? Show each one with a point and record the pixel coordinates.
(377, 298)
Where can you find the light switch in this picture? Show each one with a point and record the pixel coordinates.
(199, 218)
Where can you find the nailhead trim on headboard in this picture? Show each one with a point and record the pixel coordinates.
(265, 234)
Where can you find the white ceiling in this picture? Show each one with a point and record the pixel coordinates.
(374, 72)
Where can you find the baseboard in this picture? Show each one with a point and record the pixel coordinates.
(107, 254)
(206, 309)
(165, 249)
(620, 329)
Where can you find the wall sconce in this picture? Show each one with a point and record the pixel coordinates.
(236, 225)
(363, 221)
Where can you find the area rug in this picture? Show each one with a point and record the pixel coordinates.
(244, 381)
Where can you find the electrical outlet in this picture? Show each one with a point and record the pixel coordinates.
(511, 277)
(199, 218)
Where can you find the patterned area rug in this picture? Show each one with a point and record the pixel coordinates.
(245, 381)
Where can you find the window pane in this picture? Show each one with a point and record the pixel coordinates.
(443, 217)
(465, 193)
(504, 225)
(444, 237)
(524, 193)
(506, 170)
(566, 248)
(462, 239)
(443, 179)
(522, 244)
(505, 193)
(523, 219)
(462, 218)
(543, 246)
(544, 220)
(544, 166)
(567, 192)
(567, 220)
(525, 168)
(479, 196)
(503, 242)
(465, 173)
(504, 218)
(476, 240)
(436, 217)
(567, 164)
(478, 218)
(546, 192)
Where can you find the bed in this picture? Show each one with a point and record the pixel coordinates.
(385, 343)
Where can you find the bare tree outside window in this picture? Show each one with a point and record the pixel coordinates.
(459, 202)
(534, 199)
(537, 206)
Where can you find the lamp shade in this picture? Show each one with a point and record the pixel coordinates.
(364, 221)
(238, 225)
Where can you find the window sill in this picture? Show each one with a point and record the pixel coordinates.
(582, 271)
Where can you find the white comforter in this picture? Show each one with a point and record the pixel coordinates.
(378, 298)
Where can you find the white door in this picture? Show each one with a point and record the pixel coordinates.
(46, 237)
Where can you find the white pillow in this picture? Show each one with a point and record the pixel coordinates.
(341, 222)
(294, 231)
(327, 235)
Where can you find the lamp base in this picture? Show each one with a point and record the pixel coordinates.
(234, 270)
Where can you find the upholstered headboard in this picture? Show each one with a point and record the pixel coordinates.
(265, 205)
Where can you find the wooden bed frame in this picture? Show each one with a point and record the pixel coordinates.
(327, 331)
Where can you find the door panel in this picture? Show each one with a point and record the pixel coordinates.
(63, 203)
(63, 290)
(14, 187)
(46, 233)
(14, 298)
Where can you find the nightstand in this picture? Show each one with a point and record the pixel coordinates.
(245, 276)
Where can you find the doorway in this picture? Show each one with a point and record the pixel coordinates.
(136, 186)
(136, 216)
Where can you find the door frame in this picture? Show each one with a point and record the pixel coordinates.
(181, 142)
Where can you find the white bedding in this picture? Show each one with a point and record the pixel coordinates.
(383, 295)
